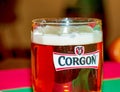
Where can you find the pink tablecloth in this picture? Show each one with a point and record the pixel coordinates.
(21, 77)
(15, 78)
(111, 70)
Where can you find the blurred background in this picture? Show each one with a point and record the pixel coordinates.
(16, 17)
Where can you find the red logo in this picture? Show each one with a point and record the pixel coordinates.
(79, 50)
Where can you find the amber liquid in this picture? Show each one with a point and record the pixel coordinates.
(46, 79)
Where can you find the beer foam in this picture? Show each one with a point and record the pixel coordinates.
(72, 38)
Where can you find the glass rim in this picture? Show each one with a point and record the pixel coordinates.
(66, 20)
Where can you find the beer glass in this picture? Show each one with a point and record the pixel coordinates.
(67, 55)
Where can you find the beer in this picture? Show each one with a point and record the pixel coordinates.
(66, 61)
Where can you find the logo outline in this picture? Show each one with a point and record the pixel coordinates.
(79, 50)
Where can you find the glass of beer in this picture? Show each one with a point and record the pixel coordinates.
(67, 55)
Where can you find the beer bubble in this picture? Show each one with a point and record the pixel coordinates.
(70, 35)
(53, 35)
(65, 30)
(51, 29)
(38, 30)
(84, 29)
